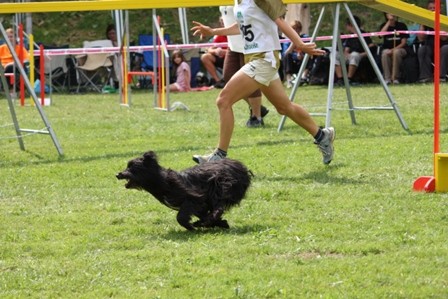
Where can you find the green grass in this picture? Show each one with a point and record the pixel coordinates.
(353, 229)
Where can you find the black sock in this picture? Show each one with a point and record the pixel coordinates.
(319, 135)
(221, 153)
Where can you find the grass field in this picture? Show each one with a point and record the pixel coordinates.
(353, 229)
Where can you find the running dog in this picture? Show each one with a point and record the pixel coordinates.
(206, 190)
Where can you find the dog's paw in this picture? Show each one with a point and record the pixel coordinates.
(198, 223)
(221, 223)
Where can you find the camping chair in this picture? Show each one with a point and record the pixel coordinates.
(55, 69)
(94, 70)
(145, 69)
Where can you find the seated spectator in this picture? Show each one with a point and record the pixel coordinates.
(292, 58)
(183, 73)
(214, 58)
(5, 55)
(393, 49)
(426, 52)
(111, 34)
(353, 52)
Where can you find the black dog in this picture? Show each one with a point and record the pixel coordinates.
(205, 191)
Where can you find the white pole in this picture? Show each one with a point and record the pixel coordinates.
(118, 15)
(184, 25)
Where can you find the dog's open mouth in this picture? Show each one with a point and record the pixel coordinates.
(130, 184)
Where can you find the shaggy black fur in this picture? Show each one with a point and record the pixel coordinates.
(206, 190)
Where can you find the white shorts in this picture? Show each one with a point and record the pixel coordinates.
(261, 70)
(353, 58)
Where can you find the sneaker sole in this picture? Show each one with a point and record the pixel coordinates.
(197, 159)
(332, 140)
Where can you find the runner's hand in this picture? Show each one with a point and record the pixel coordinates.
(201, 29)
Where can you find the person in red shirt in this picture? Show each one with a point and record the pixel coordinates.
(213, 58)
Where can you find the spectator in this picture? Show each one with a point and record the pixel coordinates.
(5, 55)
(6, 58)
(353, 52)
(292, 58)
(183, 72)
(213, 58)
(111, 34)
(426, 52)
(233, 61)
(393, 49)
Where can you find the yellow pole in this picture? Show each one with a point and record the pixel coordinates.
(162, 55)
(401, 9)
(124, 95)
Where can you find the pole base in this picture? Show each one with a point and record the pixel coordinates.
(425, 184)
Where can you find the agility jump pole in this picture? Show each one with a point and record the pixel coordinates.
(439, 181)
(42, 74)
(161, 58)
(31, 39)
(162, 102)
(399, 8)
(124, 86)
(21, 82)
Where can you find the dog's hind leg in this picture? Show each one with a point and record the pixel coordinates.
(221, 223)
(184, 216)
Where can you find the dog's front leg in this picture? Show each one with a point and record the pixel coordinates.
(214, 219)
(184, 215)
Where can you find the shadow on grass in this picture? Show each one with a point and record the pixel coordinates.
(199, 149)
(64, 159)
(185, 236)
(322, 176)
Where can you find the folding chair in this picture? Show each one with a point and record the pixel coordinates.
(55, 69)
(145, 73)
(94, 70)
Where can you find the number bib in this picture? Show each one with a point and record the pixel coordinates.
(260, 33)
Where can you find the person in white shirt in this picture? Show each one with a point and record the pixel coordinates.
(258, 22)
(233, 62)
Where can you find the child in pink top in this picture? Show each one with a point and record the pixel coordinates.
(183, 73)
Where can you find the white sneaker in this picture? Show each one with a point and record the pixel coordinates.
(215, 156)
(326, 145)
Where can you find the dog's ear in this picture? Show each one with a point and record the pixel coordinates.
(149, 157)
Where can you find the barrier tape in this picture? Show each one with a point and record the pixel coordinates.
(78, 51)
